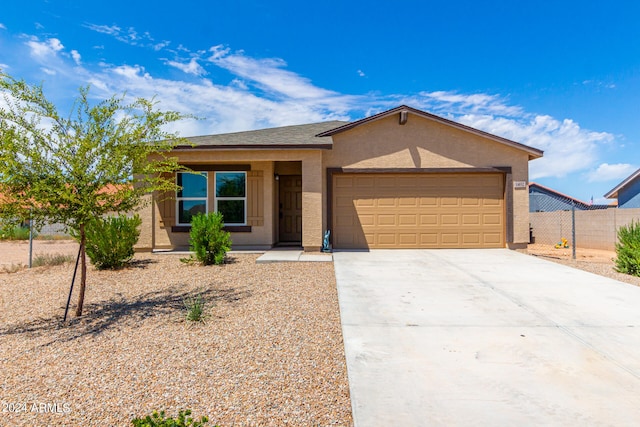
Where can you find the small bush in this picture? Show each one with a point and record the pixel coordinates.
(51, 259)
(207, 238)
(195, 308)
(160, 420)
(628, 249)
(14, 232)
(13, 268)
(110, 241)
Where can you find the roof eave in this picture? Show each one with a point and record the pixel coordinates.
(254, 147)
(613, 193)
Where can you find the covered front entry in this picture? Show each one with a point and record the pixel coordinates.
(290, 209)
(418, 210)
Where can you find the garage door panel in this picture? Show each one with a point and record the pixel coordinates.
(471, 219)
(492, 238)
(428, 202)
(471, 238)
(429, 240)
(388, 239)
(387, 202)
(449, 201)
(450, 239)
(408, 239)
(428, 219)
(368, 219)
(492, 202)
(408, 202)
(492, 219)
(344, 220)
(408, 220)
(386, 220)
(448, 219)
(418, 210)
(362, 183)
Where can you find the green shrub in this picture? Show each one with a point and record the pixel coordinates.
(207, 238)
(195, 308)
(160, 420)
(14, 232)
(110, 241)
(628, 249)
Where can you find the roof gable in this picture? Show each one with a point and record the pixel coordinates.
(403, 111)
(613, 193)
(533, 186)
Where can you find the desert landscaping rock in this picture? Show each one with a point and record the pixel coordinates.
(270, 351)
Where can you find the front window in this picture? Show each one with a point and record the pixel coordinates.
(231, 197)
(192, 197)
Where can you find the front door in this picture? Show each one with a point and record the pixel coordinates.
(290, 208)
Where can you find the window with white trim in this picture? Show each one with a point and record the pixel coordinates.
(191, 198)
(231, 197)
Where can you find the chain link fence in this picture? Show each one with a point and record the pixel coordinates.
(571, 225)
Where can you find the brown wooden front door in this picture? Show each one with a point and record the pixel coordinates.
(290, 208)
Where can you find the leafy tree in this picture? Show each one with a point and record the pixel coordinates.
(102, 158)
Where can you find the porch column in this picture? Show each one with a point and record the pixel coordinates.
(312, 201)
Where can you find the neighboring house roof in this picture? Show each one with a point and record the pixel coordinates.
(613, 194)
(534, 153)
(298, 136)
(560, 196)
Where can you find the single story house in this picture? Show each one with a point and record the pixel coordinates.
(402, 178)
(545, 199)
(627, 192)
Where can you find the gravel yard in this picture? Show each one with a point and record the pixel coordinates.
(269, 353)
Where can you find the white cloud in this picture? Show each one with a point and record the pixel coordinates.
(361, 73)
(76, 57)
(269, 74)
(112, 30)
(192, 67)
(614, 172)
(567, 147)
(2, 26)
(129, 35)
(49, 71)
(44, 49)
(480, 103)
(161, 45)
(262, 92)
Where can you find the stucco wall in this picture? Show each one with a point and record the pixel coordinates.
(424, 143)
(159, 235)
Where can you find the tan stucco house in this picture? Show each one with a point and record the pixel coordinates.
(403, 178)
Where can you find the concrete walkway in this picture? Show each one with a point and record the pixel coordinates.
(293, 255)
(486, 338)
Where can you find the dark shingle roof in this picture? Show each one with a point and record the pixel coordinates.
(298, 136)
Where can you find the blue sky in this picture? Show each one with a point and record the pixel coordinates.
(561, 76)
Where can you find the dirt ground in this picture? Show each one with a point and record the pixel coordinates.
(592, 255)
(16, 253)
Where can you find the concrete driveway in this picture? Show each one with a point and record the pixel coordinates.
(486, 338)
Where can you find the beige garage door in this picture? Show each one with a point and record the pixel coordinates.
(418, 211)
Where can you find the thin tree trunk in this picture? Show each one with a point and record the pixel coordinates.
(83, 271)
